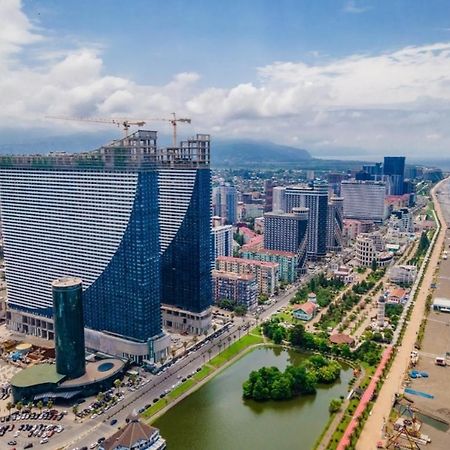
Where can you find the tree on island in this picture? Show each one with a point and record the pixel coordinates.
(269, 383)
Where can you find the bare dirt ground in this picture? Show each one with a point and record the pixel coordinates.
(372, 431)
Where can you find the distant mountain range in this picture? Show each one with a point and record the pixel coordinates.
(246, 152)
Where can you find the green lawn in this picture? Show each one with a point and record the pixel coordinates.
(234, 349)
(206, 370)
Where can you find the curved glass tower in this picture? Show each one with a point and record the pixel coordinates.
(69, 326)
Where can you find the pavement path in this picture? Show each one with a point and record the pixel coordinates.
(372, 431)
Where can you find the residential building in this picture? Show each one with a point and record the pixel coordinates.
(403, 274)
(402, 220)
(287, 232)
(353, 227)
(225, 203)
(279, 199)
(306, 311)
(335, 224)
(239, 288)
(259, 225)
(288, 262)
(131, 220)
(364, 200)
(394, 169)
(344, 273)
(135, 435)
(397, 296)
(268, 195)
(315, 198)
(266, 273)
(222, 241)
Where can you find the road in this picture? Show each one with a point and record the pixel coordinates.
(372, 430)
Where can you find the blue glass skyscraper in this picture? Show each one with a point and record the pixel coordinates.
(103, 216)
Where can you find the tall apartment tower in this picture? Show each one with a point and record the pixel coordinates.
(335, 224)
(225, 203)
(222, 241)
(364, 200)
(120, 218)
(279, 199)
(287, 232)
(268, 195)
(394, 169)
(315, 198)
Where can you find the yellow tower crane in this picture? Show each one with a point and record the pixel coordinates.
(127, 123)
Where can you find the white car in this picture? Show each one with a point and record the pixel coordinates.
(43, 441)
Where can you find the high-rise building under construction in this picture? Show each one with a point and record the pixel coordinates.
(131, 220)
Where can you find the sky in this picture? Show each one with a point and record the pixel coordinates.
(337, 77)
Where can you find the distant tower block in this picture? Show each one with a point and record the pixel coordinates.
(69, 326)
(381, 311)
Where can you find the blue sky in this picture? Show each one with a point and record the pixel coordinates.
(225, 41)
(357, 77)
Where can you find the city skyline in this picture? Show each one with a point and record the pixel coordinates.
(375, 88)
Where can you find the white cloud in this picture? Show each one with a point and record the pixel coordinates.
(354, 7)
(398, 100)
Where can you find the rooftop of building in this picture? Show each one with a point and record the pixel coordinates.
(130, 435)
(254, 243)
(96, 371)
(222, 227)
(307, 307)
(297, 212)
(397, 292)
(247, 232)
(38, 374)
(254, 262)
(266, 251)
(136, 152)
(341, 338)
(66, 282)
(232, 275)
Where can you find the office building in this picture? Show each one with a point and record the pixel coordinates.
(394, 170)
(131, 220)
(69, 327)
(287, 232)
(364, 200)
(239, 288)
(222, 244)
(335, 224)
(224, 200)
(266, 273)
(315, 198)
(334, 182)
(279, 199)
(289, 264)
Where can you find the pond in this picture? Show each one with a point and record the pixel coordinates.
(217, 418)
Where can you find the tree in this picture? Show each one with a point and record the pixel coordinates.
(30, 405)
(9, 406)
(75, 410)
(100, 396)
(19, 406)
(296, 335)
(50, 404)
(335, 405)
(374, 265)
(40, 405)
(117, 384)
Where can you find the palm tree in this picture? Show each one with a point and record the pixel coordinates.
(117, 384)
(40, 405)
(173, 352)
(30, 405)
(100, 396)
(50, 404)
(239, 330)
(19, 406)
(229, 340)
(75, 410)
(185, 344)
(9, 407)
(209, 353)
